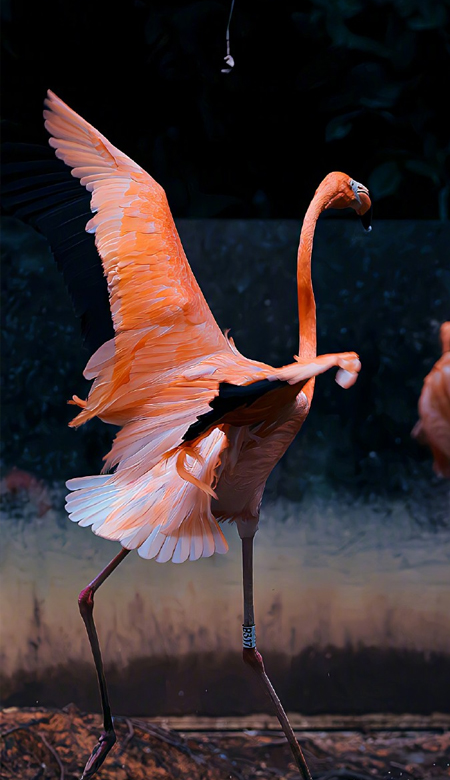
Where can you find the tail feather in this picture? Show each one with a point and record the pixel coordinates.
(151, 547)
(161, 513)
(137, 538)
(182, 549)
(94, 518)
(98, 503)
(167, 549)
(94, 481)
(196, 548)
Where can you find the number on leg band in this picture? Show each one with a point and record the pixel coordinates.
(249, 636)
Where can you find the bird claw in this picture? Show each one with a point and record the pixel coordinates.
(106, 741)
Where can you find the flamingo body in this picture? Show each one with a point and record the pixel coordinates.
(202, 426)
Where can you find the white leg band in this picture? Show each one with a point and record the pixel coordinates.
(249, 636)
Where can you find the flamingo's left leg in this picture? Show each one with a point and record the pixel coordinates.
(254, 659)
(86, 605)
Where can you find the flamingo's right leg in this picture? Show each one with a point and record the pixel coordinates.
(254, 659)
(86, 605)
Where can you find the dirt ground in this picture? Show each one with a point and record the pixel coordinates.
(44, 744)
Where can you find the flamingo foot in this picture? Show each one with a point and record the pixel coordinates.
(106, 741)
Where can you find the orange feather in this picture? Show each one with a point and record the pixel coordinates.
(167, 361)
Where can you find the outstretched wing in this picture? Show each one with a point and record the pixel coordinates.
(152, 289)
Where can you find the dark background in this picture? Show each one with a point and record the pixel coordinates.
(317, 86)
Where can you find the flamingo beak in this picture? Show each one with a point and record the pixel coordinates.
(365, 211)
(366, 220)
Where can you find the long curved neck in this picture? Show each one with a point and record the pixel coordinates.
(306, 302)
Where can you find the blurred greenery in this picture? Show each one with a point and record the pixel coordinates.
(318, 85)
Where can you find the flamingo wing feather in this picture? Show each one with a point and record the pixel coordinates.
(151, 286)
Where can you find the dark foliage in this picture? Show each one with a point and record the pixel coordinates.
(39, 189)
(318, 85)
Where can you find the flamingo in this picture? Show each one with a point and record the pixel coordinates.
(201, 426)
(433, 426)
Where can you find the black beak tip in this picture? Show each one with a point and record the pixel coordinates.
(366, 220)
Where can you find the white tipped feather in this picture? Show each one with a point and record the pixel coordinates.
(135, 539)
(158, 511)
(208, 542)
(167, 549)
(182, 549)
(346, 378)
(152, 544)
(196, 547)
(89, 517)
(85, 482)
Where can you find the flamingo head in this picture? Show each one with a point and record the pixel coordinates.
(345, 193)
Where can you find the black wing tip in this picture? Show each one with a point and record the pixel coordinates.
(229, 398)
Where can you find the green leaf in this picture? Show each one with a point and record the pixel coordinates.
(432, 16)
(384, 180)
(423, 169)
(339, 127)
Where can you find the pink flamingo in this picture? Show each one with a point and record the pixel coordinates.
(202, 426)
(433, 427)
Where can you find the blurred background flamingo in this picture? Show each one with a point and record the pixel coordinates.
(433, 427)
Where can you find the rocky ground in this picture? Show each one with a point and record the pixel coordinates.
(44, 744)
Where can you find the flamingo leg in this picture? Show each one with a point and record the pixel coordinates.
(254, 659)
(86, 606)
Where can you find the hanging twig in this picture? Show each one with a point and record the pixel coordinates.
(228, 58)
